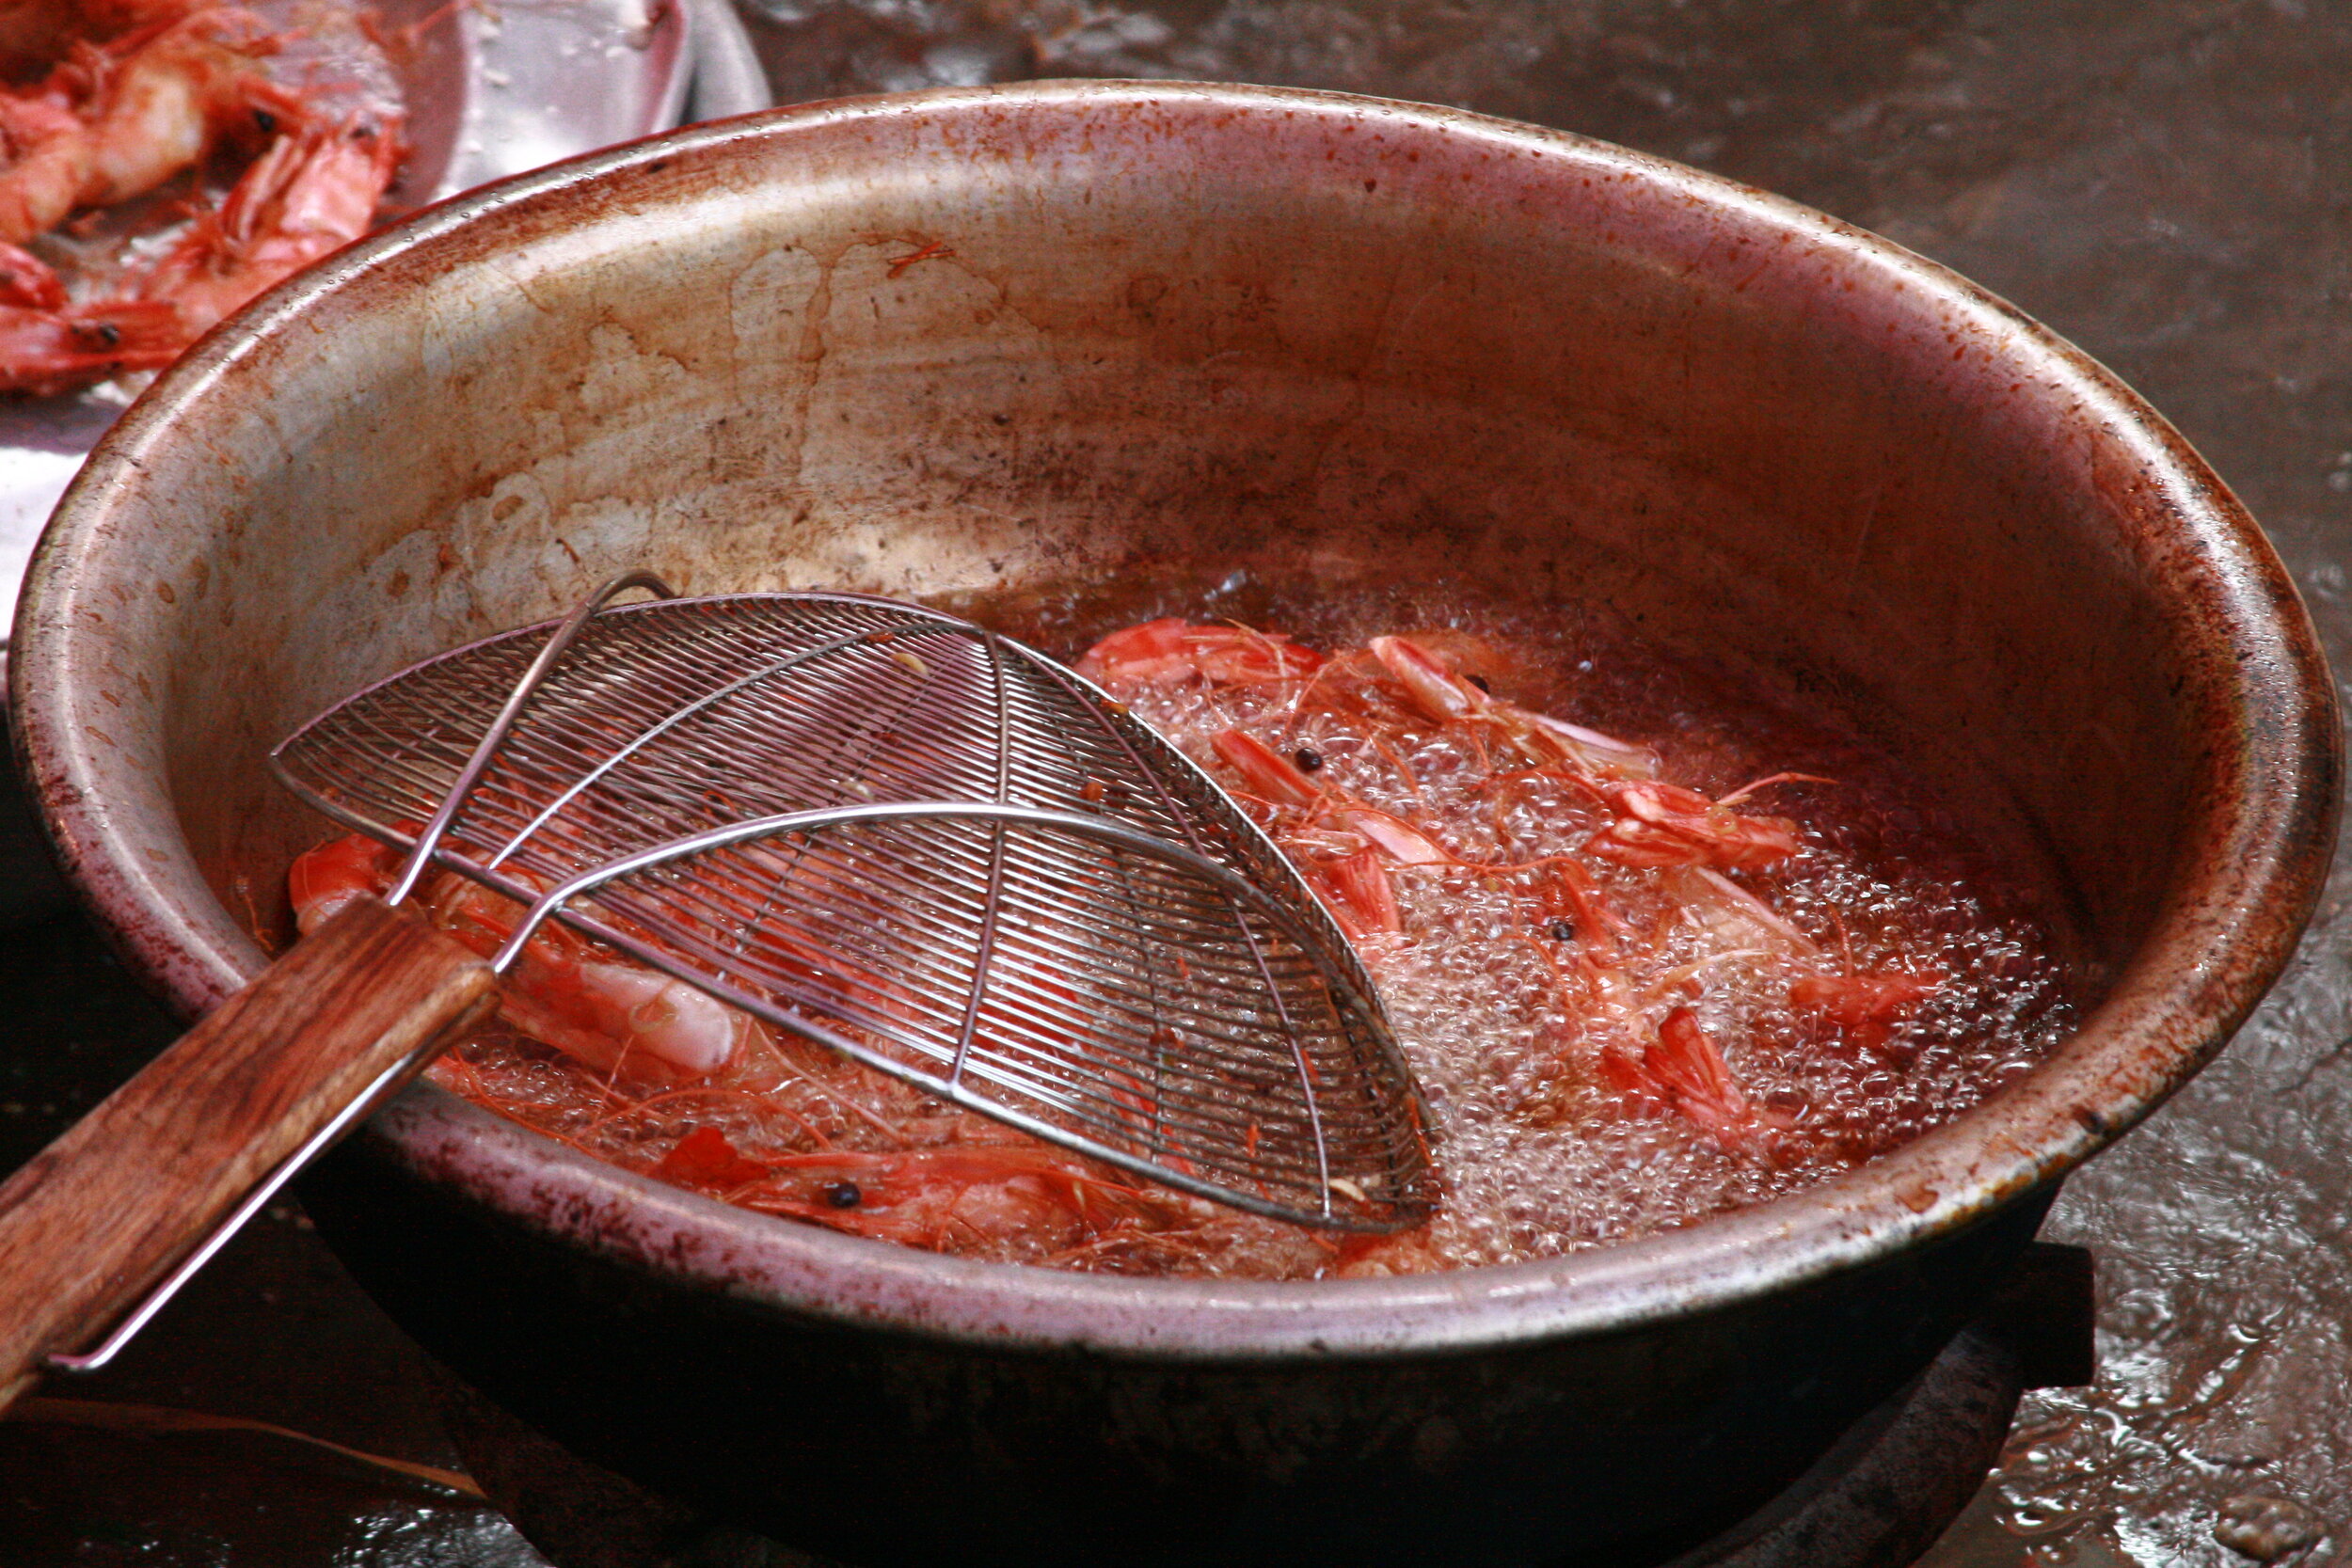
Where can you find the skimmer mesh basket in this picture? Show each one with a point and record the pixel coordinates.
(929, 849)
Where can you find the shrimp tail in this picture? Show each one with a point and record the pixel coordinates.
(1685, 1065)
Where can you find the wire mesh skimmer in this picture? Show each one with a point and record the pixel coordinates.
(921, 845)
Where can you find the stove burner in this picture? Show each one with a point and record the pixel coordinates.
(1877, 1499)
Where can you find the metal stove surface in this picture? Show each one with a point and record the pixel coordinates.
(2160, 180)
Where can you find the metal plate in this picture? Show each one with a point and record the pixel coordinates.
(492, 90)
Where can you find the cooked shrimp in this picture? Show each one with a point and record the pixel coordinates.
(1866, 1007)
(326, 878)
(1681, 1066)
(612, 1015)
(955, 1199)
(1265, 772)
(105, 126)
(152, 89)
(308, 195)
(1357, 890)
(56, 349)
(1680, 838)
(1660, 824)
(1170, 650)
(1432, 690)
(1398, 839)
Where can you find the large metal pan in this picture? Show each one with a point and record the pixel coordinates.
(979, 340)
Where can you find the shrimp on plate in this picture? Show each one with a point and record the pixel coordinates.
(50, 345)
(115, 121)
(312, 193)
(138, 94)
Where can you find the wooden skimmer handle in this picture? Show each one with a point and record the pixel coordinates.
(105, 1211)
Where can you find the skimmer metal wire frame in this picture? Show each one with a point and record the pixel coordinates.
(922, 845)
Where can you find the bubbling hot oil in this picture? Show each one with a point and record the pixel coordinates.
(1540, 1151)
(1540, 1154)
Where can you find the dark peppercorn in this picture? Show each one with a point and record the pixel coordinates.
(843, 1194)
(1309, 759)
(1562, 930)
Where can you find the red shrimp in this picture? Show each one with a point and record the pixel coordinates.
(1546, 739)
(1680, 1065)
(612, 1015)
(1264, 771)
(1866, 1007)
(49, 344)
(324, 878)
(1355, 889)
(117, 122)
(1659, 824)
(1399, 839)
(1435, 691)
(1170, 650)
(310, 194)
(956, 1199)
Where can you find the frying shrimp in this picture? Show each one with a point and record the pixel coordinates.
(1866, 1007)
(1631, 1001)
(1265, 772)
(953, 1199)
(978, 1188)
(1434, 691)
(1682, 1066)
(609, 1014)
(1170, 650)
(1357, 890)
